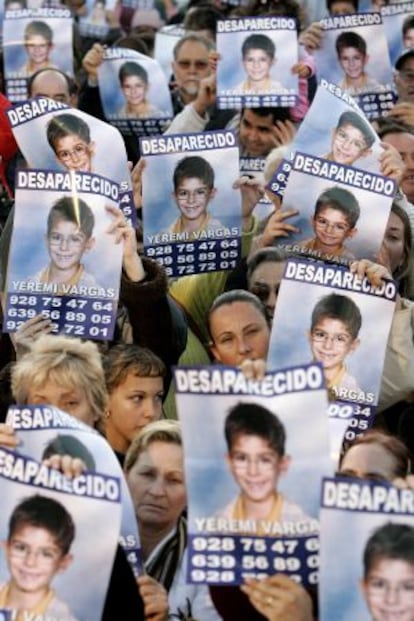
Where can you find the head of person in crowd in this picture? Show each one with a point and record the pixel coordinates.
(255, 439)
(401, 136)
(352, 139)
(258, 56)
(408, 31)
(352, 54)
(133, 79)
(64, 372)
(334, 220)
(375, 455)
(388, 579)
(54, 84)
(342, 7)
(70, 138)
(69, 236)
(398, 245)
(276, 8)
(135, 383)
(335, 324)
(154, 470)
(265, 269)
(40, 535)
(256, 129)
(404, 76)
(38, 42)
(191, 64)
(194, 189)
(239, 329)
(202, 19)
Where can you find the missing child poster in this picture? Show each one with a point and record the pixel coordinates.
(335, 129)
(192, 213)
(54, 136)
(35, 39)
(64, 261)
(166, 38)
(370, 528)
(50, 549)
(134, 92)
(341, 213)
(44, 431)
(399, 28)
(354, 55)
(253, 477)
(344, 323)
(95, 20)
(256, 58)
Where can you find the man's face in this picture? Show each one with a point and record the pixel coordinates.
(331, 227)
(404, 81)
(409, 38)
(331, 342)
(256, 133)
(389, 590)
(74, 153)
(66, 245)
(257, 65)
(33, 559)
(348, 145)
(191, 66)
(256, 467)
(38, 49)
(192, 197)
(353, 62)
(51, 84)
(134, 90)
(404, 143)
(342, 7)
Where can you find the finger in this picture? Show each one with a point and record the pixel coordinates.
(259, 369)
(54, 461)
(247, 369)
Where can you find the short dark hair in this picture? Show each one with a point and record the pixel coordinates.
(408, 24)
(350, 39)
(125, 358)
(64, 444)
(329, 4)
(390, 541)
(37, 27)
(340, 307)
(202, 17)
(259, 41)
(73, 210)
(387, 125)
(252, 419)
(278, 113)
(193, 166)
(265, 255)
(233, 296)
(341, 199)
(349, 117)
(67, 124)
(132, 68)
(43, 512)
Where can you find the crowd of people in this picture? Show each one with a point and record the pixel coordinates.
(124, 388)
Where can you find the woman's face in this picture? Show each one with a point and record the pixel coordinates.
(156, 483)
(134, 89)
(239, 332)
(389, 590)
(368, 461)
(72, 400)
(394, 241)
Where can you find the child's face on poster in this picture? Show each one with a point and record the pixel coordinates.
(331, 227)
(257, 64)
(33, 559)
(74, 154)
(134, 90)
(256, 467)
(389, 590)
(192, 197)
(330, 342)
(38, 49)
(352, 62)
(348, 145)
(66, 245)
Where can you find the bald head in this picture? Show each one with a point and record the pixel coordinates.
(51, 83)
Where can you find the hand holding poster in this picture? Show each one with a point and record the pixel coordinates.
(370, 527)
(253, 481)
(257, 54)
(74, 277)
(197, 175)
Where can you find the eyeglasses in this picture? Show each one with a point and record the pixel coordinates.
(78, 151)
(56, 239)
(197, 64)
(265, 463)
(188, 195)
(21, 550)
(406, 76)
(342, 136)
(263, 291)
(336, 227)
(338, 340)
